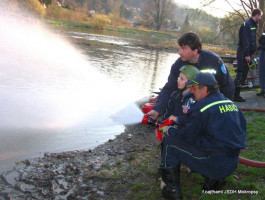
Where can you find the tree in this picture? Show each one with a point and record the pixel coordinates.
(157, 11)
(32, 6)
(247, 6)
(229, 26)
(125, 12)
(46, 2)
(186, 25)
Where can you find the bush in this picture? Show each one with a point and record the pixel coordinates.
(32, 6)
(56, 12)
(116, 20)
(100, 21)
(207, 35)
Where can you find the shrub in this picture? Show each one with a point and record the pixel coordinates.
(207, 35)
(56, 12)
(100, 21)
(117, 20)
(32, 6)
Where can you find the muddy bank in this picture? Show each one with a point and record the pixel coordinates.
(106, 172)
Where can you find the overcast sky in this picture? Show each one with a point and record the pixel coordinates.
(219, 8)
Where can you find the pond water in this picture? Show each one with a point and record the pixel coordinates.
(59, 87)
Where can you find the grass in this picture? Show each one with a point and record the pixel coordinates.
(243, 181)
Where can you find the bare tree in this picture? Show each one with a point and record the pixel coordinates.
(157, 11)
(247, 6)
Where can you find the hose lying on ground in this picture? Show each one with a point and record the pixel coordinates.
(251, 163)
(248, 162)
(253, 109)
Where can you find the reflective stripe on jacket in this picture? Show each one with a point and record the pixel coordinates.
(215, 125)
(247, 37)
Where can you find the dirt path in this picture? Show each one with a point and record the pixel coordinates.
(252, 100)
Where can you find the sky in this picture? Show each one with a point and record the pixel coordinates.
(219, 8)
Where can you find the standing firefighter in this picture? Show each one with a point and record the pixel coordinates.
(261, 66)
(245, 51)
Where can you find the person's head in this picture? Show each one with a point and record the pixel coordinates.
(202, 85)
(256, 14)
(190, 46)
(187, 73)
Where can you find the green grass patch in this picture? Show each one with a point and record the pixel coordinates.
(66, 23)
(255, 136)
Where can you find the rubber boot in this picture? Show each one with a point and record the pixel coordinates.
(171, 177)
(237, 96)
(213, 184)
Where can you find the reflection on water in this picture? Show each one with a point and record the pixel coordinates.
(139, 70)
(142, 70)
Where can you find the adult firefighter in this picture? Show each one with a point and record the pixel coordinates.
(261, 66)
(208, 143)
(191, 53)
(245, 51)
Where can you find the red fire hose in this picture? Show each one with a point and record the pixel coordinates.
(248, 162)
(253, 109)
(251, 163)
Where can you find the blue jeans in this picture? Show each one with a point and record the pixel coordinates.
(261, 67)
(214, 167)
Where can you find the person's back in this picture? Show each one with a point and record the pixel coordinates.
(221, 119)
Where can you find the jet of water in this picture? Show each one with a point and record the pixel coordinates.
(130, 114)
(46, 83)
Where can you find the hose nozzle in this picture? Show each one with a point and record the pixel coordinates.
(150, 121)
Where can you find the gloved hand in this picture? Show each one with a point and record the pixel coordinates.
(163, 130)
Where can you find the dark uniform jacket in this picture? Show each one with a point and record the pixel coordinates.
(207, 61)
(179, 105)
(215, 125)
(247, 37)
(262, 42)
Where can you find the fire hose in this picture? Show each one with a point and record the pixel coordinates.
(147, 120)
(248, 162)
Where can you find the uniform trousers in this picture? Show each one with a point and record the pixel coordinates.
(214, 167)
(261, 67)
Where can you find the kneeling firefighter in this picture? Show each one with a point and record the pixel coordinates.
(209, 141)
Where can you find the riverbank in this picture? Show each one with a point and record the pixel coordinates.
(124, 168)
(114, 170)
(169, 38)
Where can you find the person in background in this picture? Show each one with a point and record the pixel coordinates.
(209, 141)
(261, 65)
(191, 53)
(245, 51)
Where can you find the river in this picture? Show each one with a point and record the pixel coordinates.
(83, 76)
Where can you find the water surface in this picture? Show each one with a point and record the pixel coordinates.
(59, 87)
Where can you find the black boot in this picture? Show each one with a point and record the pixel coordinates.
(213, 184)
(237, 96)
(261, 93)
(171, 177)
